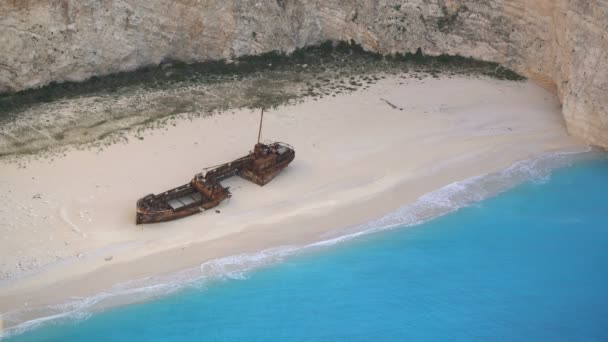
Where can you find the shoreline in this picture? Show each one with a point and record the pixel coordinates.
(239, 265)
(334, 182)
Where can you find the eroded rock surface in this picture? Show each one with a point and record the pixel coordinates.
(561, 43)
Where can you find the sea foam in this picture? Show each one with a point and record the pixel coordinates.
(439, 202)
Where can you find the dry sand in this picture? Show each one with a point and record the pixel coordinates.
(68, 224)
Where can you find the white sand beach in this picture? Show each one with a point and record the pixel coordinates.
(68, 224)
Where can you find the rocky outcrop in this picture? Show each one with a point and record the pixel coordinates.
(561, 43)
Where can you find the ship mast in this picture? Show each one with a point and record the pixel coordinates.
(260, 131)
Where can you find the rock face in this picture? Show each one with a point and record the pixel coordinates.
(561, 43)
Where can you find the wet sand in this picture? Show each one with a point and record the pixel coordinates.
(68, 224)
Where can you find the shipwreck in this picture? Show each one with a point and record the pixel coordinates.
(205, 190)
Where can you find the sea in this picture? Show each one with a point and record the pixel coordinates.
(517, 255)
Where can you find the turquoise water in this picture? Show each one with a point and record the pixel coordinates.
(527, 265)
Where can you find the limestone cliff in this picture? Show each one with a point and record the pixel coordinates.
(561, 43)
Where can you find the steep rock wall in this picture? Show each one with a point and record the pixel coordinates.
(561, 43)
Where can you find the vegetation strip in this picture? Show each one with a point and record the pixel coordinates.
(99, 110)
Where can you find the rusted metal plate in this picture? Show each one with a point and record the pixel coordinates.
(205, 191)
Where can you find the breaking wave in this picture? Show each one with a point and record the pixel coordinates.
(439, 202)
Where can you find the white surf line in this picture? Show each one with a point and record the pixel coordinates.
(447, 199)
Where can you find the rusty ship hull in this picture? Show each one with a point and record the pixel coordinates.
(266, 162)
(205, 191)
(177, 203)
